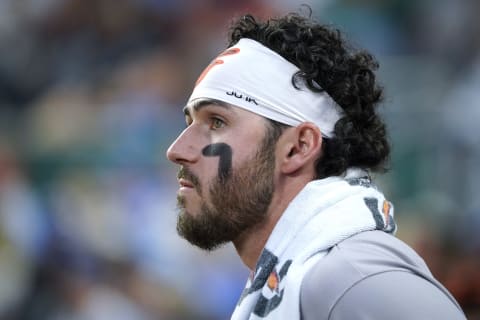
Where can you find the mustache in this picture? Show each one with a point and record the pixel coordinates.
(185, 173)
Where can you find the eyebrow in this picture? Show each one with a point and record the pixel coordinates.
(201, 103)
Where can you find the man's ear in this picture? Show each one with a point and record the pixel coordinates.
(302, 148)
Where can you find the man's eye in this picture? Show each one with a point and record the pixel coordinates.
(217, 123)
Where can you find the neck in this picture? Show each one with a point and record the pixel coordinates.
(250, 244)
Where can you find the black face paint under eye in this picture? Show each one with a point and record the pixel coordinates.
(224, 151)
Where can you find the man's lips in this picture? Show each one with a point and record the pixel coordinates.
(187, 180)
(184, 183)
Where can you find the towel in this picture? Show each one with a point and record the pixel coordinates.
(324, 213)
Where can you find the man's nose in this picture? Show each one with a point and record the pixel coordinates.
(184, 149)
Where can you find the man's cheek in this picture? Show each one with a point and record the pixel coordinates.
(224, 152)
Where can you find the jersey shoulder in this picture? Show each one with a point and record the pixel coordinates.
(355, 266)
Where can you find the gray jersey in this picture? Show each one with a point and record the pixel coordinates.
(374, 275)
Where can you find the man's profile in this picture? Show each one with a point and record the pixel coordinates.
(282, 137)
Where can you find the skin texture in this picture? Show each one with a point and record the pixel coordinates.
(216, 212)
(230, 212)
(224, 152)
(235, 178)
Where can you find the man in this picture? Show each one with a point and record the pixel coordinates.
(281, 137)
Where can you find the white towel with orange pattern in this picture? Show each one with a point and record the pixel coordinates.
(324, 213)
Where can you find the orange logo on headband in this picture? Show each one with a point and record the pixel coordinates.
(215, 62)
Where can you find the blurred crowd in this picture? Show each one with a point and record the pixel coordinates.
(91, 93)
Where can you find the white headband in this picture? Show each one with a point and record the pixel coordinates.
(253, 77)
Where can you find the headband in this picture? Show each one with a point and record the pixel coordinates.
(253, 77)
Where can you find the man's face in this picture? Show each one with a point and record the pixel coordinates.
(227, 163)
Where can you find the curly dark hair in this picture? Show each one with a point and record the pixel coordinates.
(347, 75)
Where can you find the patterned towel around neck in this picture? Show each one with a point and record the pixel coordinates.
(324, 213)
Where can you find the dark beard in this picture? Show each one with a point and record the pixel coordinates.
(238, 203)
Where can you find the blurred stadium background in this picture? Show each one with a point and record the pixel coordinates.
(90, 98)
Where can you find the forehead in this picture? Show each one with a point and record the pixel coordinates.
(198, 104)
(231, 110)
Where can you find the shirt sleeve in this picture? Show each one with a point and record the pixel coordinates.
(393, 295)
